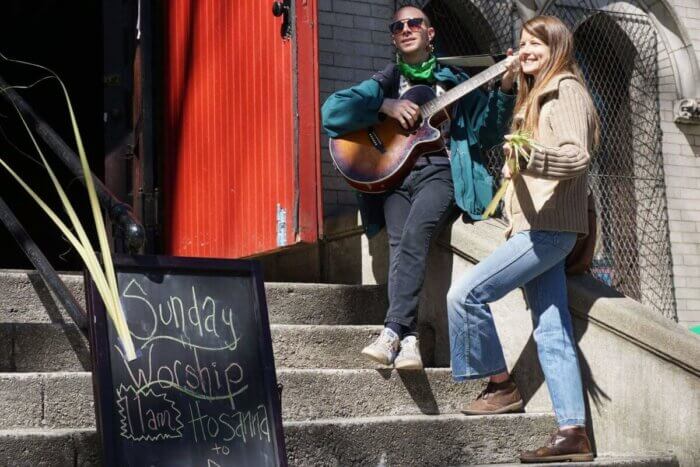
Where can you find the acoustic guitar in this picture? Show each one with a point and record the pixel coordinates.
(375, 159)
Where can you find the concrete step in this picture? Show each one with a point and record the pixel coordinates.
(322, 346)
(41, 347)
(65, 400)
(53, 400)
(362, 393)
(38, 447)
(647, 460)
(474, 441)
(414, 439)
(25, 299)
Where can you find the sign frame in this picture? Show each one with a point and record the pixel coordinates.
(103, 387)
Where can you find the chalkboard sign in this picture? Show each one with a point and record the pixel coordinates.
(203, 389)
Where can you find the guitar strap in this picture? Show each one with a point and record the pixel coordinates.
(388, 79)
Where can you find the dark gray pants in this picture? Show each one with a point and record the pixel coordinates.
(413, 212)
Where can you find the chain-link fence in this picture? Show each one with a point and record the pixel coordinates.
(472, 27)
(617, 52)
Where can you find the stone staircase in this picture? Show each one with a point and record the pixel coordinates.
(338, 409)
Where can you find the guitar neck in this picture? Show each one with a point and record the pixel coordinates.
(432, 107)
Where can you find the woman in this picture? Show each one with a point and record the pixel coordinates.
(546, 207)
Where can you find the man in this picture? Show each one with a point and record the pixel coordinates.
(414, 208)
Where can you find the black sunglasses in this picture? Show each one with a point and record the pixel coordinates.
(414, 24)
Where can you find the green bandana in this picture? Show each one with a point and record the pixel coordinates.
(421, 72)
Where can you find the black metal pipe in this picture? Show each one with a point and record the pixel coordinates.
(42, 265)
(119, 212)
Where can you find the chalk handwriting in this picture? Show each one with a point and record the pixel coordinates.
(191, 380)
(227, 426)
(147, 416)
(198, 382)
(187, 317)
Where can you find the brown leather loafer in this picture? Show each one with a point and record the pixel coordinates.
(570, 444)
(495, 399)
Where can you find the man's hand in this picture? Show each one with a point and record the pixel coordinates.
(405, 111)
(513, 67)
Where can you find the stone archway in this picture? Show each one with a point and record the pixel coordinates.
(618, 54)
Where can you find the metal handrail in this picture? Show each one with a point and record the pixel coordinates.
(119, 213)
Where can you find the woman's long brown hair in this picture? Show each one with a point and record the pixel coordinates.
(557, 36)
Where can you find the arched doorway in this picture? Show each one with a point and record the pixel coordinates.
(618, 55)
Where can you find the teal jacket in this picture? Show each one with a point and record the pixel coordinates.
(479, 122)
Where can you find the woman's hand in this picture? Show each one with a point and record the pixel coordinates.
(403, 110)
(505, 171)
(513, 67)
(512, 158)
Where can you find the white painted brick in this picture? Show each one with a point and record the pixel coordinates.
(669, 127)
(682, 182)
(692, 260)
(680, 226)
(687, 193)
(670, 148)
(678, 138)
(681, 305)
(690, 237)
(677, 259)
(674, 158)
(681, 281)
(691, 316)
(685, 248)
(675, 214)
(687, 293)
(688, 150)
(691, 215)
(682, 204)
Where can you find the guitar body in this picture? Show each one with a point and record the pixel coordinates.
(376, 159)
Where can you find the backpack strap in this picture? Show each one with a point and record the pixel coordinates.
(388, 79)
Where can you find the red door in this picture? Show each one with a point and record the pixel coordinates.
(241, 128)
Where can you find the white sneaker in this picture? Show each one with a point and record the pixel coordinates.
(384, 349)
(409, 355)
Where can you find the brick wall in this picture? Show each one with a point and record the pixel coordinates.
(354, 42)
(681, 149)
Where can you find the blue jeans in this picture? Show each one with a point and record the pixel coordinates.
(533, 260)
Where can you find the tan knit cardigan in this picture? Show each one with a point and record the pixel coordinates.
(551, 193)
